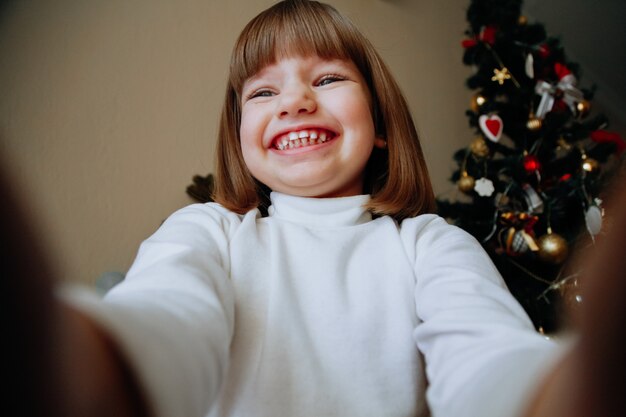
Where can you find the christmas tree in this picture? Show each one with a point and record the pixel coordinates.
(531, 178)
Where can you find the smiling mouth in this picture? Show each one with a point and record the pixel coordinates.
(302, 138)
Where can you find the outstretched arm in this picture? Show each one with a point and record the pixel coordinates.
(591, 380)
(59, 363)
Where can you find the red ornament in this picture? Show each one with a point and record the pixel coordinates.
(469, 43)
(488, 34)
(565, 177)
(544, 51)
(491, 125)
(531, 163)
(602, 136)
(561, 70)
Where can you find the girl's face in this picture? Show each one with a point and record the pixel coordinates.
(306, 127)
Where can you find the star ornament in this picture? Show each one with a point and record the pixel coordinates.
(501, 75)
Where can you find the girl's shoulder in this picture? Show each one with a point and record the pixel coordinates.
(210, 210)
(206, 216)
(432, 230)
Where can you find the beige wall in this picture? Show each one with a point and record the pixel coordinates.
(109, 107)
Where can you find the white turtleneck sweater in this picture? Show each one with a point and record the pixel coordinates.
(320, 310)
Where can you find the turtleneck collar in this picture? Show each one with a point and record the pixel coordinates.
(320, 212)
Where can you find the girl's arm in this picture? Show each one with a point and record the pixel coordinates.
(57, 362)
(591, 380)
(94, 378)
(482, 356)
(162, 335)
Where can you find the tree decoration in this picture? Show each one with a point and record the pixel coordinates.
(588, 164)
(516, 236)
(593, 220)
(466, 183)
(484, 187)
(564, 90)
(531, 163)
(537, 159)
(534, 123)
(582, 108)
(492, 126)
(500, 75)
(477, 102)
(608, 138)
(479, 147)
(552, 248)
(529, 66)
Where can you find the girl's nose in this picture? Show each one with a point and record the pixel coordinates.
(296, 101)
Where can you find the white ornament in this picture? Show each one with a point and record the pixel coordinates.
(484, 187)
(593, 219)
(530, 66)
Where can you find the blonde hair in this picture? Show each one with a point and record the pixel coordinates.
(397, 177)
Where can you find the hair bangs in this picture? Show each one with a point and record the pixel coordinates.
(296, 28)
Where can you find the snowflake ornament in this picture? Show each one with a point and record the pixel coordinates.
(484, 187)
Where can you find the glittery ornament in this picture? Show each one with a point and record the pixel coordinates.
(534, 124)
(590, 164)
(518, 243)
(479, 147)
(477, 101)
(500, 75)
(582, 108)
(531, 163)
(552, 248)
(466, 183)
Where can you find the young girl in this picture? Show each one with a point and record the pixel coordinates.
(318, 284)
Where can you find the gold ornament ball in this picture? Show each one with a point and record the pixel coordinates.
(582, 108)
(479, 147)
(466, 183)
(534, 123)
(522, 20)
(552, 248)
(477, 101)
(590, 164)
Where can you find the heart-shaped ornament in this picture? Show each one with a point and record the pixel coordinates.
(492, 126)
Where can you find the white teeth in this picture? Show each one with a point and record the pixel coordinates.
(301, 138)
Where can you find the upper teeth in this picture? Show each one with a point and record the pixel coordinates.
(300, 138)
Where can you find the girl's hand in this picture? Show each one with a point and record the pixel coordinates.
(591, 380)
(57, 363)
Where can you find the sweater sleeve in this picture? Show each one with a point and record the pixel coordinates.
(483, 356)
(173, 314)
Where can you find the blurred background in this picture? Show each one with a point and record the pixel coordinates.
(108, 108)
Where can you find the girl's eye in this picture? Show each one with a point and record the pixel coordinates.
(330, 78)
(260, 93)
